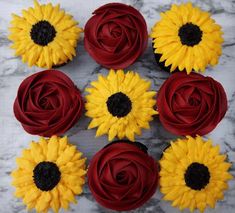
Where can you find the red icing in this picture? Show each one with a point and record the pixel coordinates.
(48, 103)
(122, 177)
(116, 35)
(191, 104)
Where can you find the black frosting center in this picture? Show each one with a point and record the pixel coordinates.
(197, 176)
(119, 104)
(46, 175)
(42, 33)
(190, 34)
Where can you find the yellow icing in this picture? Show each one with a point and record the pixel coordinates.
(59, 51)
(174, 163)
(167, 42)
(72, 168)
(132, 85)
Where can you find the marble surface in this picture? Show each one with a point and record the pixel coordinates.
(83, 70)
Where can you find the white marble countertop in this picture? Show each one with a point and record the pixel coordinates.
(83, 70)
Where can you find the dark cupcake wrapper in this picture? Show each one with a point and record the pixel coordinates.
(60, 65)
(162, 64)
(137, 144)
(164, 149)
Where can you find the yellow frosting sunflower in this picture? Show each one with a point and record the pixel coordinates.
(44, 36)
(186, 38)
(193, 173)
(49, 174)
(120, 104)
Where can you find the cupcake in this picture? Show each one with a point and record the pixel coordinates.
(44, 36)
(48, 103)
(193, 174)
(49, 174)
(122, 176)
(186, 39)
(120, 104)
(116, 35)
(191, 104)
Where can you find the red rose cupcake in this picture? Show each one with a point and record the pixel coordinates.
(191, 104)
(48, 103)
(116, 35)
(122, 176)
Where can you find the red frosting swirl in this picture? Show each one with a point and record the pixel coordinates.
(191, 104)
(121, 176)
(48, 103)
(116, 35)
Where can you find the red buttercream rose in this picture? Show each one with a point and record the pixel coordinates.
(122, 176)
(48, 103)
(116, 35)
(191, 104)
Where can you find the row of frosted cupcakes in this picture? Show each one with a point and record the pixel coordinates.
(121, 176)
(185, 39)
(120, 104)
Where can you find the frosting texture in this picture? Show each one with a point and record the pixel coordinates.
(194, 174)
(48, 103)
(191, 104)
(120, 104)
(44, 35)
(116, 35)
(122, 176)
(50, 174)
(186, 39)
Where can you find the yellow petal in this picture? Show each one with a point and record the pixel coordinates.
(55, 202)
(25, 164)
(32, 195)
(43, 202)
(37, 152)
(66, 156)
(52, 150)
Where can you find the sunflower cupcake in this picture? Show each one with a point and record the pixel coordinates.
(193, 174)
(186, 39)
(120, 104)
(49, 174)
(44, 36)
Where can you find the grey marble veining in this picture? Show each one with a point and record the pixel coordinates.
(83, 70)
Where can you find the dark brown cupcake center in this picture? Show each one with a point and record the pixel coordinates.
(46, 175)
(42, 33)
(119, 104)
(197, 176)
(190, 34)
